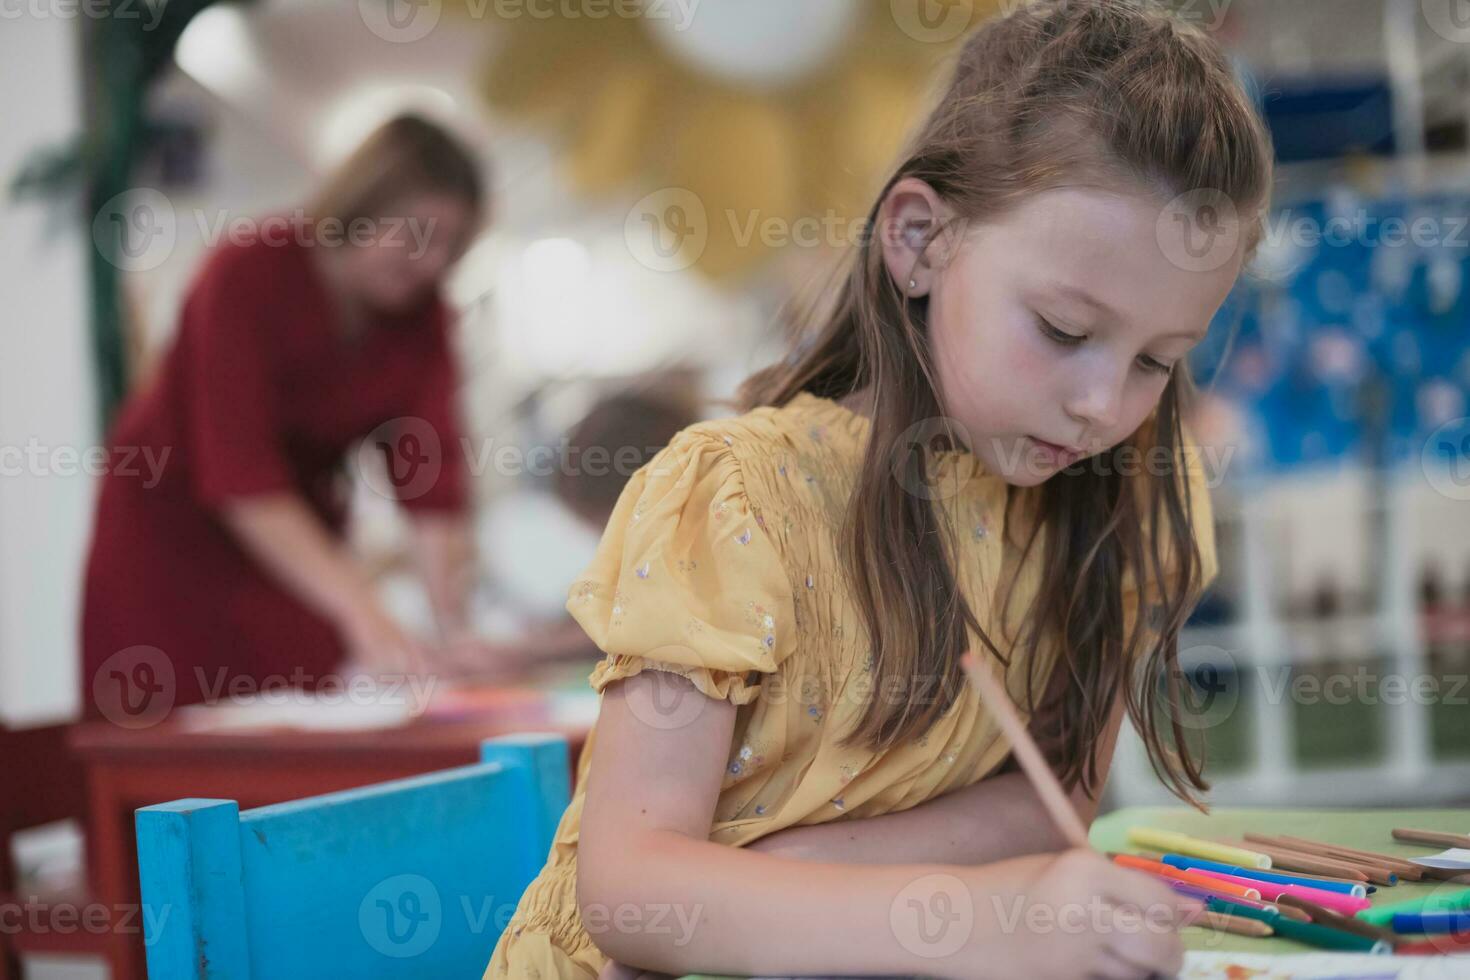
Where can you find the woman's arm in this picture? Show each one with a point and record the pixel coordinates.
(280, 532)
(996, 818)
(445, 554)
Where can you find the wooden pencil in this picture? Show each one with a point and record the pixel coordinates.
(1404, 869)
(1291, 860)
(1047, 786)
(1432, 838)
(1291, 911)
(1222, 922)
(1273, 846)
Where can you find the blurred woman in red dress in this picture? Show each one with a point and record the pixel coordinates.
(325, 328)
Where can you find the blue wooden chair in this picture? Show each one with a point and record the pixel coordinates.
(413, 878)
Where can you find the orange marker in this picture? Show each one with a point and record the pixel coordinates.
(1218, 885)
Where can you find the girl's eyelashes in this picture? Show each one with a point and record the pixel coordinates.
(1060, 336)
(1052, 332)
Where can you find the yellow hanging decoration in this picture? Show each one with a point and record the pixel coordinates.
(772, 165)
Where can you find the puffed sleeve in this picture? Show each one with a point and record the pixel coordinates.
(686, 579)
(1193, 473)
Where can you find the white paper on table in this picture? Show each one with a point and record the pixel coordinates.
(1321, 966)
(1455, 859)
(359, 703)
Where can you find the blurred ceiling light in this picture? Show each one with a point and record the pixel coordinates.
(761, 43)
(218, 50)
(366, 107)
(551, 263)
(554, 328)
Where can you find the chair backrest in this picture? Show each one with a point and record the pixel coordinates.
(412, 878)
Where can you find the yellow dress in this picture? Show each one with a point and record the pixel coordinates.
(720, 563)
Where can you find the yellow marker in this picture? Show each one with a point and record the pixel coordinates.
(1172, 842)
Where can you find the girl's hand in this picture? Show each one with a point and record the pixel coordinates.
(1073, 914)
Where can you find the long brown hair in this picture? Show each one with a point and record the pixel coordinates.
(406, 154)
(1101, 92)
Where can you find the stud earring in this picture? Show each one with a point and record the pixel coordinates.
(913, 284)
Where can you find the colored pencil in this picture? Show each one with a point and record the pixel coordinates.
(1431, 922)
(1192, 877)
(1376, 871)
(1327, 917)
(1168, 840)
(1272, 891)
(1201, 893)
(1311, 933)
(1354, 888)
(1382, 915)
(1434, 838)
(1402, 868)
(1043, 780)
(1295, 860)
(1224, 922)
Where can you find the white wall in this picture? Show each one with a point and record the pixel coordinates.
(46, 389)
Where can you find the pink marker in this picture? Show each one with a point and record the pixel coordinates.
(1270, 891)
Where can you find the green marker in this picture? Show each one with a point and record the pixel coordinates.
(1382, 915)
(1311, 933)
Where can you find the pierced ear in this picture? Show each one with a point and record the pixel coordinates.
(911, 222)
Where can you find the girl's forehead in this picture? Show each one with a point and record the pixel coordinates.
(1098, 253)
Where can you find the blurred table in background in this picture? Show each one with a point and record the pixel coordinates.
(259, 753)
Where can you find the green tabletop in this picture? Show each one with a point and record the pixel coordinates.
(1365, 829)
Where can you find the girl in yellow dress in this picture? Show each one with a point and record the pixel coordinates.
(977, 446)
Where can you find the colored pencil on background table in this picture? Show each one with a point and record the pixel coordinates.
(1327, 917)
(1433, 838)
(1353, 888)
(1311, 933)
(1431, 922)
(1224, 922)
(1294, 860)
(1177, 843)
(1375, 870)
(1272, 891)
(1382, 915)
(1192, 877)
(1398, 866)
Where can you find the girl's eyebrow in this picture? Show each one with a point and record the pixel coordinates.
(1080, 295)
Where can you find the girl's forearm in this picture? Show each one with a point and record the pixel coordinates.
(662, 901)
(996, 818)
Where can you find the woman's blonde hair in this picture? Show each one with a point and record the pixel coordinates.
(1107, 93)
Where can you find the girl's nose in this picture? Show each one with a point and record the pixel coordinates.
(1098, 402)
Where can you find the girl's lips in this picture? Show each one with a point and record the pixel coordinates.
(1057, 455)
